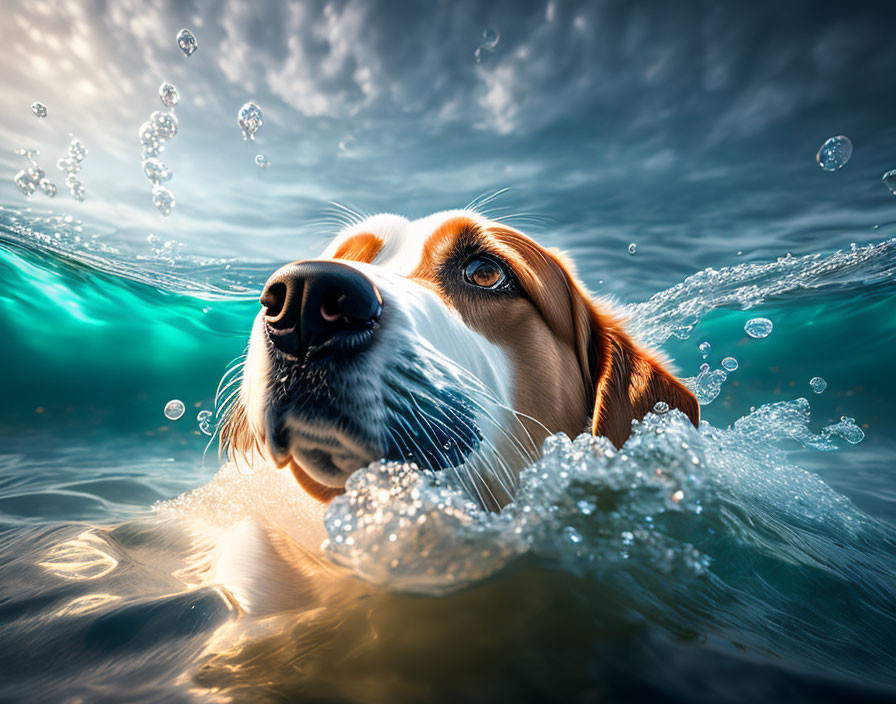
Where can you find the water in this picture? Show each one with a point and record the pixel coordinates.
(39, 110)
(749, 559)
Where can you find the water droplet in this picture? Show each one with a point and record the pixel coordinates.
(76, 188)
(758, 327)
(147, 135)
(165, 124)
(661, 408)
(250, 119)
(48, 187)
(163, 199)
(834, 153)
(847, 429)
(705, 348)
(632, 248)
(889, 180)
(818, 384)
(572, 535)
(205, 422)
(261, 161)
(490, 37)
(678, 496)
(39, 109)
(174, 409)
(186, 40)
(586, 508)
(729, 364)
(76, 150)
(155, 171)
(708, 384)
(168, 94)
(24, 183)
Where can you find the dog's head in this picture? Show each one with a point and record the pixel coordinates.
(451, 342)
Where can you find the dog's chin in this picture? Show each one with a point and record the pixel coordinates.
(330, 469)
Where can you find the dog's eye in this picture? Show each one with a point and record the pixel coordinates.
(484, 272)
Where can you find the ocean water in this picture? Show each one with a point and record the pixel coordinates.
(752, 558)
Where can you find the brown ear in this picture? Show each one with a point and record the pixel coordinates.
(629, 382)
(622, 381)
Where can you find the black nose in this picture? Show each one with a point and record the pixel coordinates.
(309, 303)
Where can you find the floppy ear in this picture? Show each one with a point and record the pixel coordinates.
(624, 380)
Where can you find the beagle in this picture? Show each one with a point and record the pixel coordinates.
(453, 342)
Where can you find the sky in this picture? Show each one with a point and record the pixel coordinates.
(692, 126)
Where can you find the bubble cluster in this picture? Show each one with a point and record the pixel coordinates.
(167, 251)
(205, 418)
(70, 164)
(33, 177)
(186, 40)
(490, 38)
(161, 127)
(249, 118)
(729, 364)
(834, 153)
(174, 409)
(818, 384)
(633, 248)
(758, 327)
(39, 110)
(168, 94)
(261, 161)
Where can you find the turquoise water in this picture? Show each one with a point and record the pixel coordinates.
(774, 574)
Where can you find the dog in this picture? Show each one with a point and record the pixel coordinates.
(453, 342)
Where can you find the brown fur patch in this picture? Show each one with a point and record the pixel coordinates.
(359, 248)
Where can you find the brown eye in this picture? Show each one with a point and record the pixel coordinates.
(484, 272)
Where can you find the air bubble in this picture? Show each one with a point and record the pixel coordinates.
(39, 110)
(704, 348)
(661, 408)
(249, 118)
(847, 429)
(632, 248)
(834, 153)
(168, 94)
(261, 161)
(758, 327)
(186, 40)
(818, 384)
(729, 364)
(174, 409)
(163, 199)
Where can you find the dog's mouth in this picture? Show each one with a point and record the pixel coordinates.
(332, 419)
